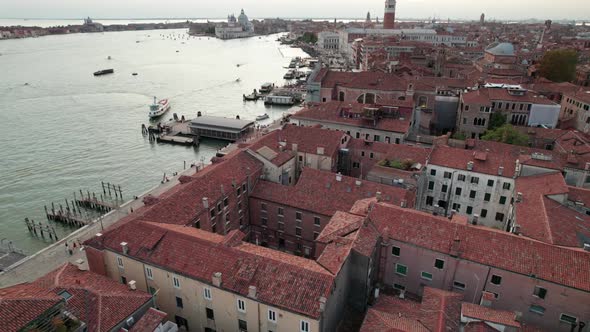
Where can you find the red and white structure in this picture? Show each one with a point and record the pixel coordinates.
(389, 16)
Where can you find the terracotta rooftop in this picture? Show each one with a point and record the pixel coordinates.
(546, 219)
(282, 280)
(511, 253)
(506, 318)
(100, 302)
(23, 303)
(321, 192)
(149, 322)
(459, 159)
(485, 97)
(336, 112)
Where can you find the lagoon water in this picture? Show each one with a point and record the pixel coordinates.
(62, 129)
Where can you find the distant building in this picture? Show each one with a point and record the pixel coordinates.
(235, 28)
(482, 19)
(329, 40)
(90, 26)
(389, 16)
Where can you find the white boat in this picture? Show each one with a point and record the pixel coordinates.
(262, 117)
(159, 107)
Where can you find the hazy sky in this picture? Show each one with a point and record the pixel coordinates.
(468, 9)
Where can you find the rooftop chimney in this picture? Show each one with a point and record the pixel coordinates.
(500, 170)
(587, 246)
(470, 166)
(294, 147)
(125, 248)
(404, 204)
(206, 202)
(81, 264)
(322, 304)
(402, 294)
(132, 285)
(320, 150)
(358, 183)
(518, 316)
(339, 177)
(252, 292)
(518, 197)
(378, 196)
(217, 279)
(475, 219)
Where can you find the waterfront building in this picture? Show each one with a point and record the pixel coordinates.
(235, 28)
(220, 128)
(75, 299)
(329, 40)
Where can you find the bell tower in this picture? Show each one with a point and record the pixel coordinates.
(389, 16)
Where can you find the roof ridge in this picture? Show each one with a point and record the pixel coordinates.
(58, 274)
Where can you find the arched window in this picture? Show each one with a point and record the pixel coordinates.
(367, 98)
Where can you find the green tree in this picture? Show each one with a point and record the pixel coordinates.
(497, 120)
(559, 65)
(309, 38)
(506, 134)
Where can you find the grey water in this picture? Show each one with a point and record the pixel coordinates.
(62, 129)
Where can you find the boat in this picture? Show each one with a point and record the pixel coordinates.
(262, 117)
(134, 74)
(159, 107)
(251, 97)
(266, 88)
(104, 72)
(289, 75)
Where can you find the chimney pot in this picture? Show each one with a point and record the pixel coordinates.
(358, 183)
(323, 303)
(125, 248)
(500, 170)
(252, 292)
(518, 197)
(339, 177)
(206, 202)
(378, 195)
(80, 263)
(402, 294)
(132, 285)
(587, 246)
(217, 279)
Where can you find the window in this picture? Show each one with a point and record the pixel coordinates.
(439, 264)
(239, 191)
(317, 221)
(315, 235)
(433, 172)
(395, 251)
(281, 212)
(225, 202)
(496, 280)
(176, 282)
(444, 188)
(472, 194)
(487, 197)
(426, 275)
(263, 207)
(244, 188)
(219, 207)
(207, 293)
(399, 287)
(537, 309)
(264, 221)
(65, 295)
(456, 207)
(120, 262)
(540, 292)
(198, 224)
(241, 305)
(298, 231)
(448, 175)
(499, 216)
(490, 183)
(469, 210)
(458, 285)
(272, 316)
(568, 319)
(502, 200)
(506, 186)
(356, 165)
(210, 314)
(149, 273)
(179, 302)
(304, 326)
(461, 177)
(371, 155)
(429, 200)
(458, 191)
(362, 153)
(484, 213)
(213, 213)
(401, 269)
(123, 280)
(475, 180)
(298, 215)
(242, 325)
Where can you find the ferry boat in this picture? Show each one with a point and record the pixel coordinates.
(289, 75)
(266, 88)
(159, 107)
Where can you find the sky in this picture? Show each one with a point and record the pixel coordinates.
(443, 9)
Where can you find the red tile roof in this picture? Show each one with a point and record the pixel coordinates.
(506, 318)
(285, 281)
(485, 97)
(335, 254)
(96, 300)
(513, 253)
(149, 322)
(458, 159)
(393, 151)
(23, 303)
(320, 192)
(545, 219)
(579, 195)
(331, 112)
(340, 224)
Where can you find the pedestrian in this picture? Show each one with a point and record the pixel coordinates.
(74, 245)
(67, 248)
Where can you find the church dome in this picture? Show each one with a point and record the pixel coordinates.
(500, 49)
(243, 19)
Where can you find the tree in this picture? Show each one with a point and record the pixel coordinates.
(506, 134)
(559, 65)
(309, 38)
(497, 120)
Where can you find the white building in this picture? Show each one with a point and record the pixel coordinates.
(329, 40)
(235, 28)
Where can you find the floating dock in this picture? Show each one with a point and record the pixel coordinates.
(179, 140)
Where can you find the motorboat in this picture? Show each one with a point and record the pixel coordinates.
(104, 72)
(158, 108)
(262, 117)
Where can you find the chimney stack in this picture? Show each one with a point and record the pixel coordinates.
(217, 279)
(339, 177)
(294, 147)
(206, 202)
(501, 170)
(132, 285)
(358, 183)
(587, 247)
(125, 248)
(252, 292)
(378, 195)
(470, 166)
(402, 294)
(323, 303)
(518, 197)
(81, 264)
(475, 219)
(404, 204)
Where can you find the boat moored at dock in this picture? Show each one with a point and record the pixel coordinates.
(267, 88)
(158, 108)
